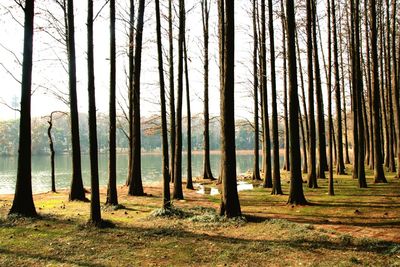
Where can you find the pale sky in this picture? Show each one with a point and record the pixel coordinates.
(48, 71)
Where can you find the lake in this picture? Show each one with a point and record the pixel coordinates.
(151, 170)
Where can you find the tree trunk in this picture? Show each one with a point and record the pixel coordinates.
(130, 90)
(52, 154)
(311, 177)
(276, 176)
(296, 195)
(221, 50)
(165, 159)
(322, 162)
(171, 90)
(95, 215)
(395, 84)
(256, 168)
(77, 191)
(112, 196)
(286, 160)
(306, 134)
(189, 183)
(136, 186)
(230, 205)
(266, 159)
(23, 200)
(178, 193)
(378, 170)
(340, 169)
(207, 173)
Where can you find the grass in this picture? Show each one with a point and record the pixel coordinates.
(356, 227)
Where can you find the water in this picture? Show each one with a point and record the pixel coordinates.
(151, 170)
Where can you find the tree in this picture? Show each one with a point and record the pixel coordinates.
(77, 191)
(276, 176)
(266, 159)
(171, 90)
(205, 14)
(322, 161)
(51, 146)
(112, 195)
(136, 186)
(357, 86)
(164, 131)
(379, 175)
(312, 178)
(340, 169)
(178, 193)
(256, 168)
(189, 183)
(23, 200)
(286, 161)
(230, 205)
(130, 87)
(296, 195)
(95, 214)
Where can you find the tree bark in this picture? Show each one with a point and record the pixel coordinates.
(189, 183)
(165, 159)
(276, 176)
(322, 161)
(286, 162)
(340, 169)
(296, 195)
(23, 200)
(95, 215)
(379, 175)
(311, 177)
(256, 168)
(230, 206)
(136, 186)
(112, 195)
(207, 173)
(77, 191)
(171, 90)
(178, 193)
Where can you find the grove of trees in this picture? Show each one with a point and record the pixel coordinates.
(341, 109)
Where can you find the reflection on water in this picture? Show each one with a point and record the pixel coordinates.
(212, 191)
(151, 170)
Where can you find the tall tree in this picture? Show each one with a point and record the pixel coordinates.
(189, 183)
(276, 176)
(395, 83)
(221, 50)
(205, 14)
(95, 214)
(136, 186)
(77, 191)
(296, 194)
(340, 169)
(322, 161)
(357, 86)
(256, 167)
(171, 89)
(178, 193)
(112, 196)
(311, 177)
(331, 190)
(164, 131)
(23, 200)
(286, 158)
(266, 159)
(130, 86)
(379, 175)
(230, 205)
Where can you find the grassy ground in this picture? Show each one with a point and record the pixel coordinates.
(354, 227)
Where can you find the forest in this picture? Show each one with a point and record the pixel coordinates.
(308, 90)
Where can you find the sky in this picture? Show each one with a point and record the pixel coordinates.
(49, 72)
